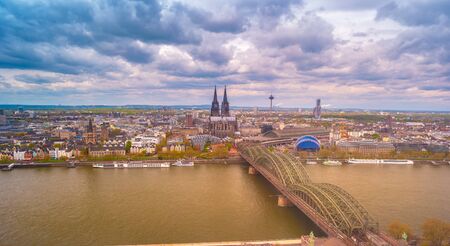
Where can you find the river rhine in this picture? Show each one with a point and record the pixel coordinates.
(85, 206)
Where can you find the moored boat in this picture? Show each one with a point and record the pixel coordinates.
(309, 162)
(397, 162)
(363, 161)
(332, 163)
(183, 163)
(120, 165)
(9, 167)
(384, 162)
(71, 165)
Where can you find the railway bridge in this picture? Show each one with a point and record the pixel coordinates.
(334, 210)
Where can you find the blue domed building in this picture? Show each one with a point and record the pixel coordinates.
(307, 143)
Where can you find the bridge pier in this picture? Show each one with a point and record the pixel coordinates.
(284, 201)
(252, 170)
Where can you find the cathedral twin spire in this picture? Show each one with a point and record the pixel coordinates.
(225, 109)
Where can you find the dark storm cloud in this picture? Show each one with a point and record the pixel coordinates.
(306, 62)
(428, 35)
(229, 23)
(126, 49)
(217, 55)
(416, 13)
(35, 79)
(435, 88)
(433, 43)
(83, 22)
(267, 12)
(116, 49)
(112, 28)
(312, 33)
(180, 71)
(267, 8)
(349, 5)
(236, 18)
(315, 34)
(17, 54)
(109, 27)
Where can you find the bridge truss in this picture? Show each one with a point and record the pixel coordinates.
(336, 206)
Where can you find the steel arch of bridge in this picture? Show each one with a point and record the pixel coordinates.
(333, 203)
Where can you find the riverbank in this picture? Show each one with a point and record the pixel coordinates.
(229, 161)
(416, 161)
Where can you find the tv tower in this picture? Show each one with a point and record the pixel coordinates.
(271, 99)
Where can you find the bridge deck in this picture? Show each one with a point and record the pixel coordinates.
(305, 208)
(334, 210)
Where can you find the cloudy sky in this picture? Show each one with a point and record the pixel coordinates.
(351, 53)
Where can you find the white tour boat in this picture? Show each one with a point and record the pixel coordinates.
(131, 165)
(397, 162)
(332, 163)
(183, 163)
(363, 161)
(376, 161)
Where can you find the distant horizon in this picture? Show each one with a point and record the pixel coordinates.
(205, 107)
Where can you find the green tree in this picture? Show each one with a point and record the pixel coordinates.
(436, 232)
(5, 160)
(207, 146)
(228, 145)
(396, 229)
(376, 136)
(127, 147)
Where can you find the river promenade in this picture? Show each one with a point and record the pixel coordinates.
(232, 160)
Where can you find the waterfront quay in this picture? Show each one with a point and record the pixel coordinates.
(302, 241)
(234, 160)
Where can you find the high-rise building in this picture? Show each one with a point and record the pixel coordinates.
(317, 110)
(2, 117)
(221, 123)
(189, 120)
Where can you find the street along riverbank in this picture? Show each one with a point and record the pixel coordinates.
(229, 161)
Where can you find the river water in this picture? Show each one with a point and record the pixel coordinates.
(85, 206)
(408, 193)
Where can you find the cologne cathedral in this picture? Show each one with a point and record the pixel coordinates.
(221, 123)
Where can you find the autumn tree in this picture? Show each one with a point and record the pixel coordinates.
(436, 232)
(396, 229)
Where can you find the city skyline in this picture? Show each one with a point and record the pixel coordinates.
(356, 54)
